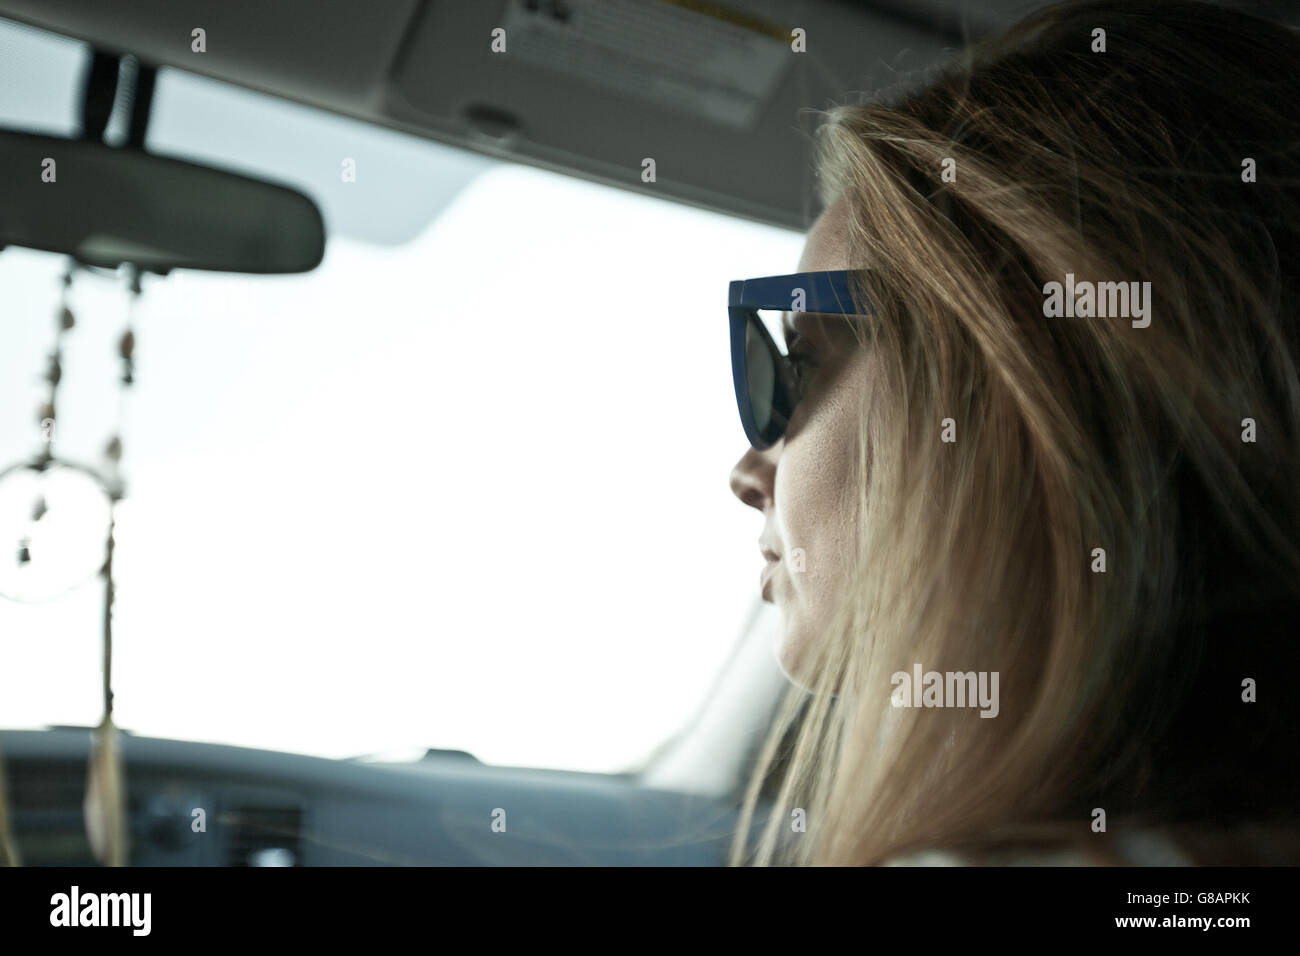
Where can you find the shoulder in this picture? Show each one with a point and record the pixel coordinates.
(1240, 845)
(999, 856)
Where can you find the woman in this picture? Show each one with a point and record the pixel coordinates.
(1081, 498)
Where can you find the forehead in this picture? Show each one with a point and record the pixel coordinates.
(826, 248)
(827, 245)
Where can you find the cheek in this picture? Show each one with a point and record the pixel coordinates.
(814, 484)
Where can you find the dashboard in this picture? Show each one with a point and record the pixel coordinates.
(193, 804)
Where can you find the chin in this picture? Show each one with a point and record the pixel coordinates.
(790, 650)
(789, 653)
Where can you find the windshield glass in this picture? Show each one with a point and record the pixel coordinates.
(462, 486)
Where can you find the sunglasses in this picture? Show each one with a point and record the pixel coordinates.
(767, 388)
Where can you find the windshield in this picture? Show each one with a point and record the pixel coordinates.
(462, 486)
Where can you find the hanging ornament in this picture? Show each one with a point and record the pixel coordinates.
(54, 512)
(62, 540)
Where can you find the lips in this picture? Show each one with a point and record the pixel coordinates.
(765, 579)
(773, 558)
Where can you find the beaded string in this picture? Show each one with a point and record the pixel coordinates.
(47, 414)
(113, 481)
(105, 806)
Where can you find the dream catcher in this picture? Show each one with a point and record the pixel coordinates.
(58, 519)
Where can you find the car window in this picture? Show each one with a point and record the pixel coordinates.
(462, 486)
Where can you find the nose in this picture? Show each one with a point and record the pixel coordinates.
(753, 477)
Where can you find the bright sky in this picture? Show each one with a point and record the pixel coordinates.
(469, 491)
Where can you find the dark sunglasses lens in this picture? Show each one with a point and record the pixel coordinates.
(769, 396)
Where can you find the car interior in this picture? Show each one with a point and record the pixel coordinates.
(193, 124)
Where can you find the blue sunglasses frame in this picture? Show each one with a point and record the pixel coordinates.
(827, 292)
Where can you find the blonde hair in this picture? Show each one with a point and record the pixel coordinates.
(1120, 690)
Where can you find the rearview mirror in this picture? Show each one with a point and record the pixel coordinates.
(107, 206)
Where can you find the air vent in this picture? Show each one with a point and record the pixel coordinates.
(49, 825)
(263, 835)
(47, 785)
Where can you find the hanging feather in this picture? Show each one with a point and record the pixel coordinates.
(8, 846)
(105, 803)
